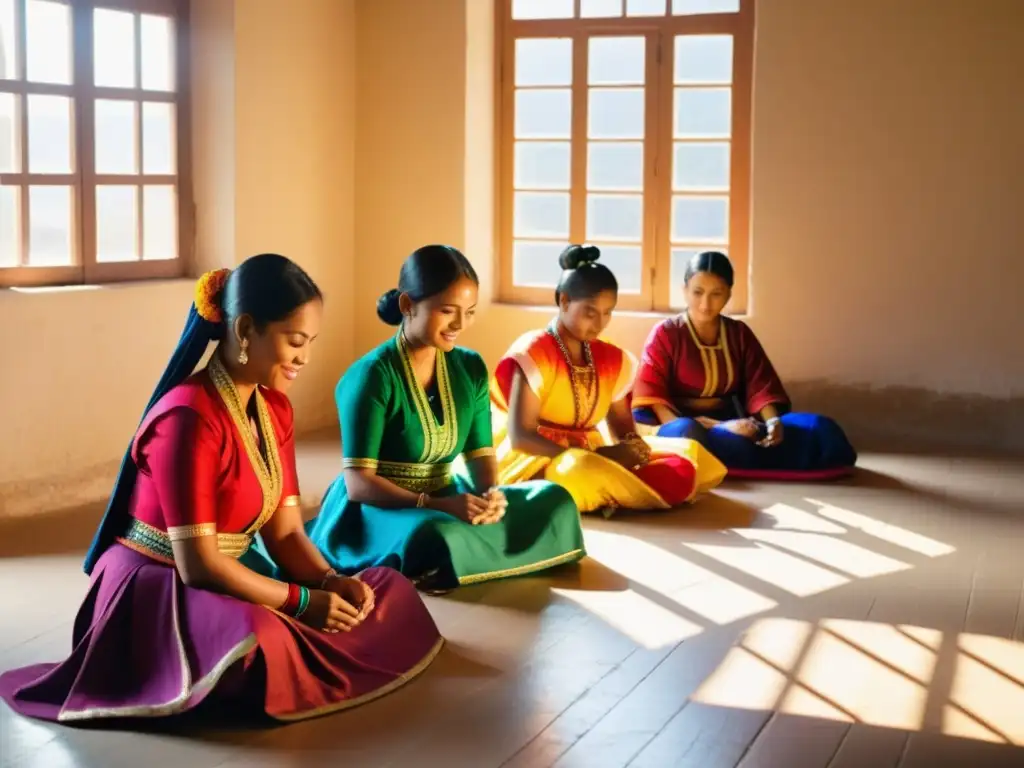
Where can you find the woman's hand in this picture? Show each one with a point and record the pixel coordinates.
(775, 434)
(353, 591)
(748, 428)
(620, 453)
(466, 507)
(497, 503)
(329, 612)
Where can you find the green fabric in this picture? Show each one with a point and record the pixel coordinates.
(377, 406)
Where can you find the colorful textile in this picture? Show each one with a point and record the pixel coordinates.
(679, 469)
(731, 379)
(418, 439)
(146, 645)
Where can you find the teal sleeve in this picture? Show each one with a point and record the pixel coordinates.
(481, 437)
(362, 397)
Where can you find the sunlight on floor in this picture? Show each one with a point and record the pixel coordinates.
(672, 597)
(912, 678)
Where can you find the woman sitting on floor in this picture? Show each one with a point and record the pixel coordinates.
(705, 376)
(172, 619)
(555, 386)
(409, 409)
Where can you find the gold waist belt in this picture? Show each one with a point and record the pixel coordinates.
(418, 478)
(151, 541)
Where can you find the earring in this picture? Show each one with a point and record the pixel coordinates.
(243, 355)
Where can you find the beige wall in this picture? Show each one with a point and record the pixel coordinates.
(887, 233)
(274, 155)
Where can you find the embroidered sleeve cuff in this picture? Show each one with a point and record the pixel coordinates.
(359, 463)
(480, 453)
(182, 532)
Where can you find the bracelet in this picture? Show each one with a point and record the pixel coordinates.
(421, 501)
(772, 420)
(303, 602)
(331, 573)
(297, 602)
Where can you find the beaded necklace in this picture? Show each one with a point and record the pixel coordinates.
(590, 388)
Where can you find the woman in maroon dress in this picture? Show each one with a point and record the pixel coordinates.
(172, 617)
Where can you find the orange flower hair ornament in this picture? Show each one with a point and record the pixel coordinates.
(209, 289)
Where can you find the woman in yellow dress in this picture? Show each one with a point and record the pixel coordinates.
(555, 386)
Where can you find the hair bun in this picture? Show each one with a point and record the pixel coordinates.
(388, 308)
(575, 256)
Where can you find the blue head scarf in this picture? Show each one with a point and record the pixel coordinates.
(195, 338)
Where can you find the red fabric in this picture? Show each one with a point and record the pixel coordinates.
(671, 477)
(672, 369)
(193, 467)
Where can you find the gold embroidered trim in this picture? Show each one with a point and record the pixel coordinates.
(480, 453)
(182, 532)
(439, 440)
(290, 501)
(269, 473)
(519, 570)
(359, 463)
(710, 360)
(420, 478)
(147, 540)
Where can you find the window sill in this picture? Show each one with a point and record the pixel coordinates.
(651, 314)
(94, 287)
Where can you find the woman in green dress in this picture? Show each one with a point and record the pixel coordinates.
(418, 489)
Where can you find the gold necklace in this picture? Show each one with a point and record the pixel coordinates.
(593, 384)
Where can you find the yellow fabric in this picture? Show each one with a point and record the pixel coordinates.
(594, 481)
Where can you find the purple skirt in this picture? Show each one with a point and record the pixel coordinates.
(145, 645)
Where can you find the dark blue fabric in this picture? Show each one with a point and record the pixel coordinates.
(195, 338)
(810, 443)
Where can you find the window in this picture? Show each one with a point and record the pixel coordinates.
(625, 124)
(93, 150)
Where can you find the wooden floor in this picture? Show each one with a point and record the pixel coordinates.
(873, 623)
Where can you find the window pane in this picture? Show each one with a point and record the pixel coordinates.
(700, 219)
(50, 226)
(543, 165)
(543, 114)
(597, 9)
(615, 217)
(10, 226)
(10, 147)
(542, 9)
(616, 114)
(645, 7)
(48, 48)
(158, 138)
(677, 271)
(159, 223)
(701, 167)
(703, 113)
(117, 224)
(686, 7)
(535, 264)
(703, 59)
(544, 61)
(618, 166)
(626, 263)
(49, 134)
(541, 214)
(116, 150)
(113, 51)
(8, 54)
(157, 42)
(616, 61)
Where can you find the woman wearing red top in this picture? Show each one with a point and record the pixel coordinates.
(173, 617)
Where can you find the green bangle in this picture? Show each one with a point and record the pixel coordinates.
(303, 602)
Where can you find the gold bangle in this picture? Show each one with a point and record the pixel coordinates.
(421, 501)
(331, 573)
